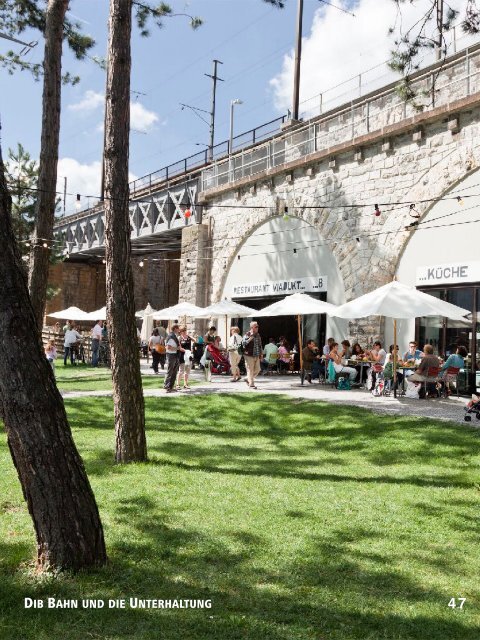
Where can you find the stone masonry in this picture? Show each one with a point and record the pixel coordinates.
(409, 169)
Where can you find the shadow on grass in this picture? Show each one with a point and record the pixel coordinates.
(251, 435)
(330, 589)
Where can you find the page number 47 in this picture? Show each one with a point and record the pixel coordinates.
(457, 603)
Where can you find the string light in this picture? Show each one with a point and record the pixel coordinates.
(45, 245)
(460, 201)
(104, 261)
(415, 213)
(140, 264)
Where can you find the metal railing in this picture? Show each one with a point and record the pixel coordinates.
(205, 157)
(438, 86)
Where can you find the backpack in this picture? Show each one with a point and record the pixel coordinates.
(343, 383)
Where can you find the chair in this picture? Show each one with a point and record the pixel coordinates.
(448, 376)
(272, 365)
(431, 377)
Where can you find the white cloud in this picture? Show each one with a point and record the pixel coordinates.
(84, 179)
(339, 47)
(141, 118)
(91, 101)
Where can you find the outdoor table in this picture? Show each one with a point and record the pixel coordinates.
(404, 368)
(362, 364)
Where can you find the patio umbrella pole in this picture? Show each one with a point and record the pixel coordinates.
(300, 342)
(394, 358)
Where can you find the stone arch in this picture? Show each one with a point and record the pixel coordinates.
(324, 220)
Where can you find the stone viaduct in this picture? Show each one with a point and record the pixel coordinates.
(330, 172)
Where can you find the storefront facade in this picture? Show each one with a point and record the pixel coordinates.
(284, 256)
(443, 259)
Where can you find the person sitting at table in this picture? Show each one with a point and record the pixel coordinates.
(388, 369)
(270, 353)
(428, 361)
(310, 356)
(378, 356)
(328, 346)
(284, 357)
(357, 351)
(337, 363)
(456, 360)
(346, 350)
(413, 352)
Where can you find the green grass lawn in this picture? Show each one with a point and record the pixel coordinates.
(300, 521)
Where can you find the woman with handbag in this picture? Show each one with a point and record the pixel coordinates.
(156, 345)
(234, 356)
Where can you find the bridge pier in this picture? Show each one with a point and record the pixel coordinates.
(195, 269)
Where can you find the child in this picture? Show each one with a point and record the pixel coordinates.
(51, 353)
(473, 401)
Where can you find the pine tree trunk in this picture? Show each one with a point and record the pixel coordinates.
(54, 483)
(47, 177)
(127, 384)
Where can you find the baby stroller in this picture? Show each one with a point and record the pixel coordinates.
(472, 408)
(218, 362)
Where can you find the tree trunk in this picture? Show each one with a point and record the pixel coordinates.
(54, 483)
(47, 177)
(127, 383)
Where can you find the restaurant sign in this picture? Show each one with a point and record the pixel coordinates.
(280, 287)
(448, 273)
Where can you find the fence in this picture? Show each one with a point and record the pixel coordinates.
(438, 86)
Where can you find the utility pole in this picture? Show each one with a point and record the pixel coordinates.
(214, 77)
(298, 58)
(439, 47)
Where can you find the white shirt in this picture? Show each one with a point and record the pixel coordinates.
(97, 332)
(71, 336)
(234, 341)
(171, 346)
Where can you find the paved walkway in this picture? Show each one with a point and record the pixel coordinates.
(440, 409)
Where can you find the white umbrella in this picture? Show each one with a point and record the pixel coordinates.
(147, 323)
(72, 313)
(179, 310)
(99, 314)
(297, 304)
(398, 301)
(148, 309)
(228, 308)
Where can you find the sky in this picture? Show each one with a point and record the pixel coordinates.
(255, 43)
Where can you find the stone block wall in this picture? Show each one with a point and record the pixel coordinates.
(366, 247)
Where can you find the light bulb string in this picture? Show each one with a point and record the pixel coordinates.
(372, 206)
(142, 257)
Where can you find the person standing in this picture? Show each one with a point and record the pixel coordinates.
(252, 344)
(233, 355)
(173, 347)
(185, 358)
(96, 334)
(70, 340)
(156, 344)
(211, 335)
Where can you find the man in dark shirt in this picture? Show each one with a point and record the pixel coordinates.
(252, 344)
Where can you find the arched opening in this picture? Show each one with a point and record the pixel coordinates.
(442, 258)
(280, 257)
